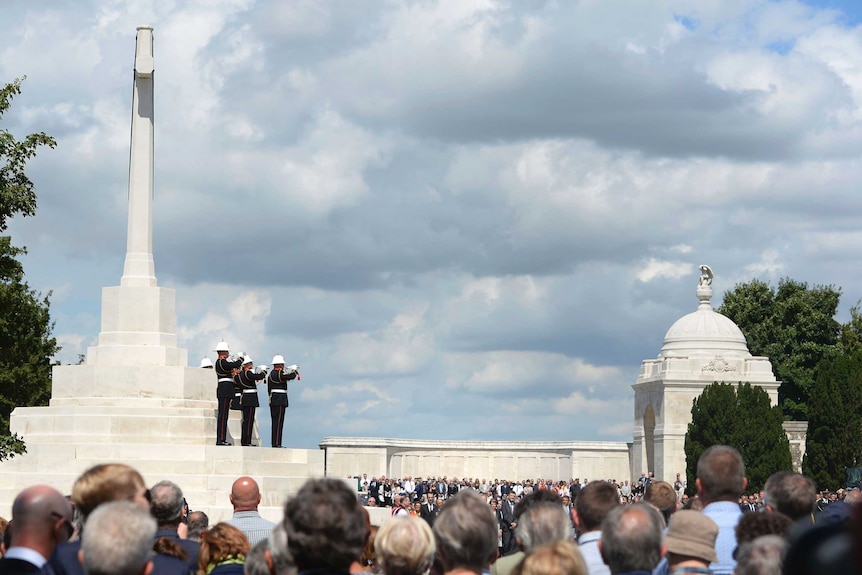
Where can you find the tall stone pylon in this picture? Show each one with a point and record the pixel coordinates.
(139, 269)
(138, 317)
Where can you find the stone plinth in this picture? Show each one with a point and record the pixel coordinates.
(489, 459)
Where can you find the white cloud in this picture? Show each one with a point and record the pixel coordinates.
(658, 269)
(431, 205)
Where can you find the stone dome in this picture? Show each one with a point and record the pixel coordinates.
(705, 332)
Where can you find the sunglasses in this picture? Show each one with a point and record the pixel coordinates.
(67, 525)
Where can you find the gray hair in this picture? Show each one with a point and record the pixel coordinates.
(118, 539)
(405, 546)
(763, 556)
(167, 503)
(255, 561)
(466, 533)
(631, 538)
(198, 523)
(282, 562)
(541, 524)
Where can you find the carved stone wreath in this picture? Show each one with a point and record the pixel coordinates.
(719, 364)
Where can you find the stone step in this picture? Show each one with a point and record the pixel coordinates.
(205, 472)
(131, 402)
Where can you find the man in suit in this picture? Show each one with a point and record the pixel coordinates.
(41, 519)
(429, 511)
(541, 521)
(509, 523)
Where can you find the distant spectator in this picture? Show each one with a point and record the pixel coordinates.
(223, 551)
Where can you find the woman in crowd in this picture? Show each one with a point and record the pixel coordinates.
(405, 546)
(559, 558)
(223, 551)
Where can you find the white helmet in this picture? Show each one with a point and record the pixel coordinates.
(206, 362)
(246, 359)
(222, 346)
(276, 359)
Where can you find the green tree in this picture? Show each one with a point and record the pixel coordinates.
(742, 417)
(851, 332)
(835, 421)
(25, 323)
(794, 326)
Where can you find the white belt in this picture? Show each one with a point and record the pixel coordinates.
(225, 379)
(249, 391)
(279, 391)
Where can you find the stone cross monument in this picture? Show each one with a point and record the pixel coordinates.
(136, 400)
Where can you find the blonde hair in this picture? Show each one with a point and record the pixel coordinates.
(104, 483)
(558, 558)
(221, 542)
(405, 546)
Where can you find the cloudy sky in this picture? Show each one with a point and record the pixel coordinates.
(464, 219)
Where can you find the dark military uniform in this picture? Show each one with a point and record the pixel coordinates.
(276, 384)
(224, 393)
(247, 380)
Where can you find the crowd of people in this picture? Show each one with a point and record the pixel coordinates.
(237, 381)
(380, 491)
(113, 524)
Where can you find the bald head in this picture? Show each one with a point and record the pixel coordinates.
(245, 494)
(42, 519)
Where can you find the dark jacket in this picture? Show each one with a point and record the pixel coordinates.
(64, 561)
(276, 385)
(191, 547)
(223, 369)
(16, 567)
(246, 382)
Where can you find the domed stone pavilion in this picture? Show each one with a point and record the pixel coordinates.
(699, 348)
